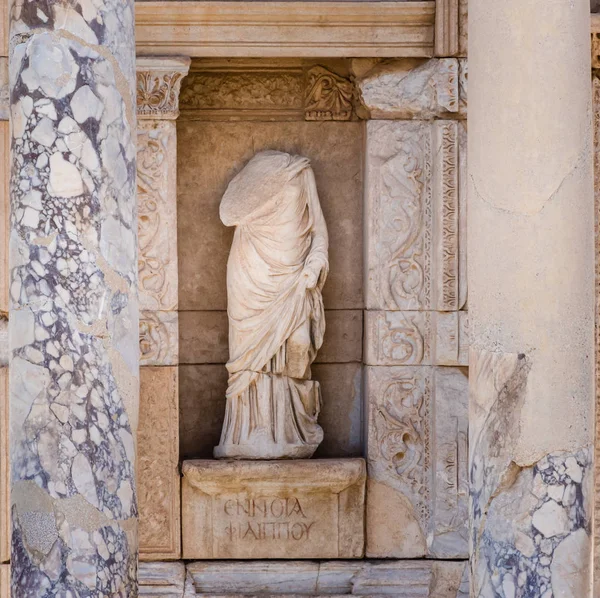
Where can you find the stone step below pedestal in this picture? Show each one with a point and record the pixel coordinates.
(293, 579)
(301, 509)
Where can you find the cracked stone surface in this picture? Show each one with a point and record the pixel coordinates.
(73, 326)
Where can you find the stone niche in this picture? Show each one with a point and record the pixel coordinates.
(387, 143)
(229, 111)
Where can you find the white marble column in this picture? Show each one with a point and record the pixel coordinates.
(73, 333)
(531, 298)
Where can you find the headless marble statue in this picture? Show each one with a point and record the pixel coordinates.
(276, 270)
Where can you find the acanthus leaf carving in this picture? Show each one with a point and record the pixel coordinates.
(249, 91)
(158, 85)
(328, 96)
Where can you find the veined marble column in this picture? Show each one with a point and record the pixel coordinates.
(531, 298)
(73, 333)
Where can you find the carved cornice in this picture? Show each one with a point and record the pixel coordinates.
(236, 89)
(158, 85)
(293, 29)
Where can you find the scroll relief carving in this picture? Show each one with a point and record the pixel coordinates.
(328, 96)
(398, 337)
(401, 420)
(4, 95)
(418, 446)
(446, 200)
(157, 234)
(413, 215)
(416, 338)
(158, 446)
(159, 338)
(400, 212)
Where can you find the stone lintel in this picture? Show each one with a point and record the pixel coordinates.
(273, 509)
(158, 85)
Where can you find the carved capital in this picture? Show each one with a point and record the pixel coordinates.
(328, 96)
(158, 85)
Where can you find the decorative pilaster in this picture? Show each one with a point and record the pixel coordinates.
(531, 299)
(414, 324)
(158, 85)
(73, 322)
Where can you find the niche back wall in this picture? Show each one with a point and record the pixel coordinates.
(217, 134)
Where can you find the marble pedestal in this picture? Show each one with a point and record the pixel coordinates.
(278, 509)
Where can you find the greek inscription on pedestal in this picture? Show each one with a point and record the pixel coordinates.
(266, 518)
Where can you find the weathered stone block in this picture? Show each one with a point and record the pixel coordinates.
(463, 86)
(161, 580)
(5, 581)
(410, 88)
(341, 414)
(5, 526)
(202, 409)
(417, 459)
(416, 338)
(415, 241)
(273, 509)
(158, 468)
(211, 153)
(203, 337)
(4, 99)
(343, 337)
(452, 338)
(159, 338)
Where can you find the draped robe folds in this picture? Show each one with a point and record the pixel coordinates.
(276, 323)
